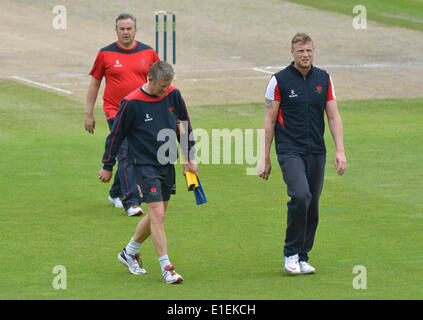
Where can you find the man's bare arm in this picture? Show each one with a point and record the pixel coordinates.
(271, 113)
(336, 129)
(93, 89)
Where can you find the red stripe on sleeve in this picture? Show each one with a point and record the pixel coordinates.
(331, 91)
(277, 94)
(280, 118)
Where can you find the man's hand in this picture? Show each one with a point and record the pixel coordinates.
(105, 175)
(263, 169)
(191, 166)
(89, 123)
(340, 162)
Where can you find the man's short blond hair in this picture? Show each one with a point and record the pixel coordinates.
(302, 38)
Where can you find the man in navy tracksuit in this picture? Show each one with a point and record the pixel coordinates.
(296, 99)
(151, 118)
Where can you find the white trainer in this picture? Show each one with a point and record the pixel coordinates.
(306, 268)
(134, 211)
(116, 201)
(292, 264)
(133, 263)
(170, 275)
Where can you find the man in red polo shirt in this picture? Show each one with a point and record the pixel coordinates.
(124, 64)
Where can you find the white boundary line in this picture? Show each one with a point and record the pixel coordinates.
(41, 84)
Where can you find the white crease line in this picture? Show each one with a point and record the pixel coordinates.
(347, 66)
(261, 70)
(71, 84)
(41, 84)
(222, 79)
(373, 65)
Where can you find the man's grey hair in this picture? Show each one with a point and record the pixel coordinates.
(124, 16)
(161, 69)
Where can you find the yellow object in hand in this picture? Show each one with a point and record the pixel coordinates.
(192, 181)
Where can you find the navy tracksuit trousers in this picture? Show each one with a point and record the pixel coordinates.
(303, 175)
(124, 183)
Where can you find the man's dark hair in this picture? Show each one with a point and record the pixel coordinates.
(124, 16)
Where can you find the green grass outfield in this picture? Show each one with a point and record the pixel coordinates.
(54, 211)
(402, 13)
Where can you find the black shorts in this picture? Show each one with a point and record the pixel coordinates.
(157, 183)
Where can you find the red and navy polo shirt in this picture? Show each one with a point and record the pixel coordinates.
(124, 70)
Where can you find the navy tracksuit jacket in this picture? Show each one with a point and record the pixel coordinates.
(141, 117)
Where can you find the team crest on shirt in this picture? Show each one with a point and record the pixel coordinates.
(117, 64)
(143, 63)
(147, 117)
(293, 94)
(319, 89)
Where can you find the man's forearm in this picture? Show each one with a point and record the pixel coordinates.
(271, 108)
(336, 128)
(269, 131)
(93, 89)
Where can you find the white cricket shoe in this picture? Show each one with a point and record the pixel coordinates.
(292, 264)
(133, 263)
(306, 268)
(116, 201)
(170, 276)
(134, 211)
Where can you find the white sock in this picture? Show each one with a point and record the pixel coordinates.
(164, 261)
(133, 247)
